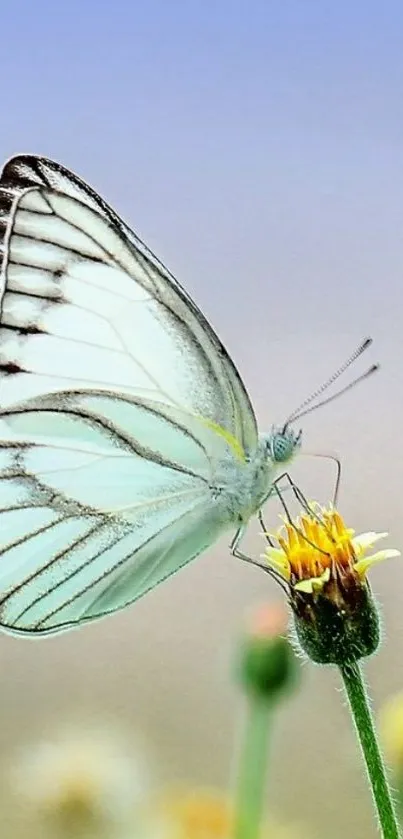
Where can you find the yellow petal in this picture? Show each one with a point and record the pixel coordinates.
(365, 541)
(276, 558)
(309, 586)
(364, 564)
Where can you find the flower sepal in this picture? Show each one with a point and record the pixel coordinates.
(336, 622)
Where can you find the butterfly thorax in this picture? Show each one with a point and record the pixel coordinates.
(243, 486)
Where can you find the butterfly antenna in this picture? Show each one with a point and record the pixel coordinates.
(300, 411)
(338, 393)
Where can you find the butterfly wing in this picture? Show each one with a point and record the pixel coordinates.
(118, 405)
(85, 304)
(91, 518)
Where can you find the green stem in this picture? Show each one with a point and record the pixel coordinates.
(252, 770)
(364, 724)
(399, 795)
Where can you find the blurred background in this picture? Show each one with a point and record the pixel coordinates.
(258, 149)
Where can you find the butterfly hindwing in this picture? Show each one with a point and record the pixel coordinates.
(90, 517)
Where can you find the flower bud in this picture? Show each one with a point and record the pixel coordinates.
(267, 663)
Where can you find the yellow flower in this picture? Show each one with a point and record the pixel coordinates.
(203, 813)
(319, 547)
(324, 566)
(198, 814)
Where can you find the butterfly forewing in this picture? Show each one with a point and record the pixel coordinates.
(86, 304)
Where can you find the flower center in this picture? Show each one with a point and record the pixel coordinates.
(316, 544)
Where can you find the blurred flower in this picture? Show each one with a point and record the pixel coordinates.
(80, 783)
(268, 621)
(198, 814)
(391, 731)
(324, 566)
(267, 663)
(202, 813)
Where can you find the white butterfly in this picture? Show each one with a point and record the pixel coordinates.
(128, 443)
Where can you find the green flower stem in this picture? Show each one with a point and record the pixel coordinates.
(253, 769)
(364, 724)
(399, 794)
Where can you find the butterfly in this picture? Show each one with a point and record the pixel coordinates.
(128, 443)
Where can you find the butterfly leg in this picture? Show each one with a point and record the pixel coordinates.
(236, 542)
(299, 495)
(240, 555)
(277, 490)
(265, 532)
(301, 500)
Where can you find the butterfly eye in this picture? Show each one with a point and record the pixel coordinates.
(283, 445)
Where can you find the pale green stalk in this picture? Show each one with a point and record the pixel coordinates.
(363, 720)
(251, 781)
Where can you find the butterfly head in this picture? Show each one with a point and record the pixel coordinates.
(283, 444)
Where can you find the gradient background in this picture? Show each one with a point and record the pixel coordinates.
(258, 149)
